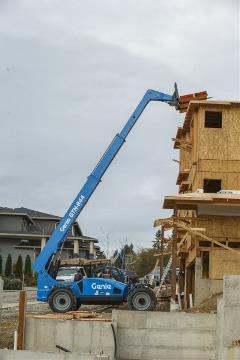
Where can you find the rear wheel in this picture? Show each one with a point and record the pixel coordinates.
(142, 299)
(62, 300)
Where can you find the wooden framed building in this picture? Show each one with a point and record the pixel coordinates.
(207, 208)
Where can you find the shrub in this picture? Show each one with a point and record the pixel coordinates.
(8, 267)
(28, 266)
(12, 284)
(30, 280)
(19, 268)
(1, 263)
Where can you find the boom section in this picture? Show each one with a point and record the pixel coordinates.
(59, 235)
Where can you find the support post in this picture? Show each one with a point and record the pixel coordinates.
(76, 248)
(21, 319)
(161, 260)
(43, 242)
(174, 259)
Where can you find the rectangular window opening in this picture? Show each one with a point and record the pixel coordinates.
(205, 265)
(213, 119)
(211, 185)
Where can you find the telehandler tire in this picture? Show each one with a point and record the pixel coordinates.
(62, 300)
(78, 305)
(142, 299)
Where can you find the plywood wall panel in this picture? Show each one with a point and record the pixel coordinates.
(210, 165)
(222, 263)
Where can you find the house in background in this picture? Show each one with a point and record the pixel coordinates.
(25, 232)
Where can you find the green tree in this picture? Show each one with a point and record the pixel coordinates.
(101, 254)
(28, 266)
(1, 264)
(145, 261)
(19, 268)
(157, 241)
(8, 267)
(124, 256)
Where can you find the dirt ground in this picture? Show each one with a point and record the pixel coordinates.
(207, 306)
(8, 326)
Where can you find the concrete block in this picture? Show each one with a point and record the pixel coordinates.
(219, 329)
(231, 290)
(131, 337)
(159, 320)
(82, 336)
(45, 330)
(130, 319)
(161, 353)
(188, 338)
(31, 355)
(102, 338)
(64, 334)
(29, 340)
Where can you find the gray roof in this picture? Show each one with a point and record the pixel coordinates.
(30, 212)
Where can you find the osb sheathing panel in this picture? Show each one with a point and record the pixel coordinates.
(230, 181)
(185, 158)
(220, 227)
(213, 166)
(223, 143)
(223, 262)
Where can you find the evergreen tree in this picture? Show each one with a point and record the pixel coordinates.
(8, 267)
(19, 267)
(124, 256)
(101, 254)
(1, 263)
(28, 266)
(157, 242)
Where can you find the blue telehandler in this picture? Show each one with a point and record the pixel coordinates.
(64, 296)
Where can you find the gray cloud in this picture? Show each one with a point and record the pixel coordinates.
(72, 72)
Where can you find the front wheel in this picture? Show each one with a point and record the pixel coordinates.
(142, 299)
(62, 300)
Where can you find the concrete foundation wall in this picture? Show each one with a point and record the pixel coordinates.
(228, 320)
(31, 355)
(147, 335)
(139, 335)
(204, 288)
(159, 335)
(89, 337)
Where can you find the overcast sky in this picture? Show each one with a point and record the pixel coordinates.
(71, 73)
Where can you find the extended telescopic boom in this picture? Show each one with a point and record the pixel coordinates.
(61, 232)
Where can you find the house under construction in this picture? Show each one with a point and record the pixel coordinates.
(206, 211)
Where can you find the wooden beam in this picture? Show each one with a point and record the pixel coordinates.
(21, 319)
(161, 264)
(164, 254)
(189, 229)
(174, 258)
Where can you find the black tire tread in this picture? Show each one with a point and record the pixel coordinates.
(142, 289)
(71, 295)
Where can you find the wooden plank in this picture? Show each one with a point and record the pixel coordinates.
(21, 319)
(161, 264)
(174, 260)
